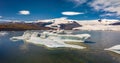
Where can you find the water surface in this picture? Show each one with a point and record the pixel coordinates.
(23, 52)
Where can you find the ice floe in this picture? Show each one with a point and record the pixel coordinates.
(115, 49)
(52, 40)
(2, 33)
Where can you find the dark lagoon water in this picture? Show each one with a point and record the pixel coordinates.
(23, 52)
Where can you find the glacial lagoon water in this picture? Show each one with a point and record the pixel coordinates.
(23, 52)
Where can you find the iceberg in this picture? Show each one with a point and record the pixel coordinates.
(52, 43)
(26, 35)
(115, 49)
(67, 37)
(3, 33)
(52, 40)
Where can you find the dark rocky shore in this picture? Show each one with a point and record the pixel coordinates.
(20, 26)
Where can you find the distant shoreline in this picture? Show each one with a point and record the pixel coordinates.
(64, 23)
(21, 27)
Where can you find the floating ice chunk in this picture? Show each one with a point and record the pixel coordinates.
(52, 40)
(3, 33)
(51, 43)
(115, 49)
(26, 35)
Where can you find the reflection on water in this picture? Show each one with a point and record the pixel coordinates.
(23, 52)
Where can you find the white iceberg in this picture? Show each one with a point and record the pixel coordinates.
(3, 33)
(52, 40)
(115, 49)
(26, 35)
(67, 37)
(51, 43)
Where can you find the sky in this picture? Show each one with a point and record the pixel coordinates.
(49, 9)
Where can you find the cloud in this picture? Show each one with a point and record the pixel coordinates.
(24, 12)
(1, 17)
(70, 13)
(111, 6)
(77, 2)
(108, 14)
